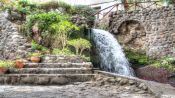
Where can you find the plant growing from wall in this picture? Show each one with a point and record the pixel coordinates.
(137, 58)
(80, 45)
(166, 63)
(36, 46)
(65, 51)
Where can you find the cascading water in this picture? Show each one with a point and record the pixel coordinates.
(111, 55)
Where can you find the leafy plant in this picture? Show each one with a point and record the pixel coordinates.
(6, 64)
(65, 8)
(4, 4)
(80, 45)
(61, 32)
(137, 58)
(167, 63)
(64, 51)
(35, 55)
(53, 28)
(36, 46)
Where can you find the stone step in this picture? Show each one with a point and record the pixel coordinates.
(43, 79)
(50, 71)
(61, 59)
(59, 65)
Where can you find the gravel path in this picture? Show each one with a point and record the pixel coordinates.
(76, 90)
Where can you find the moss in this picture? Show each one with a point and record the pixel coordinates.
(167, 63)
(137, 58)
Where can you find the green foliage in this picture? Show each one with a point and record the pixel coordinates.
(4, 4)
(62, 32)
(6, 64)
(66, 8)
(80, 45)
(167, 63)
(44, 21)
(53, 28)
(35, 55)
(64, 51)
(22, 6)
(86, 58)
(36, 46)
(137, 59)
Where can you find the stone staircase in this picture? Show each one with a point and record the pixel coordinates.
(53, 70)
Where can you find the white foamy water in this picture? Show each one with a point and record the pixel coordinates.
(111, 54)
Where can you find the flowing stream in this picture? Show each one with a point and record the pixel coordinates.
(111, 55)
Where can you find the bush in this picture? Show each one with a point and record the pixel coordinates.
(167, 63)
(80, 45)
(137, 58)
(61, 32)
(6, 64)
(63, 7)
(64, 51)
(52, 27)
(5, 4)
(36, 46)
(35, 54)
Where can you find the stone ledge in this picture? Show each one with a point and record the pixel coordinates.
(158, 89)
(59, 65)
(62, 59)
(50, 71)
(43, 79)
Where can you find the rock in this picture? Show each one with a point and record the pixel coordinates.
(123, 81)
(59, 80)
(118, 79)
(112, 80)
(131, 82)
(143, 86)
(43, 80)
(28, 80)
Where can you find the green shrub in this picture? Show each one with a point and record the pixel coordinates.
(66, 8)
(44, 21)
(61, 32)
(54, 28)
(64, 51)
(80, 45)
(137, 59)
(35, 54)
(36, 46)
(6, 64)
(4, 4)
(167, 63)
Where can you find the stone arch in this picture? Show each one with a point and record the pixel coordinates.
(131, 34)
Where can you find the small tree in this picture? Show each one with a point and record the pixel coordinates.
(62, 32)
(80, 45)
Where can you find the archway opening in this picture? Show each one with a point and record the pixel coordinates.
(131, 34)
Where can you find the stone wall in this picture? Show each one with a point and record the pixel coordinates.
(12, 44)
(152, 31)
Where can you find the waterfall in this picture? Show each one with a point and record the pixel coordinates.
(111, 55)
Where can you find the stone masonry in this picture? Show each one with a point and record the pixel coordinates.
(12, 44)
(151, 31)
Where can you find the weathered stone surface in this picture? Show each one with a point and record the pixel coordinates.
(75, 90)
(50, 71)
(59, 65)
(44, 79)
(62, 59)
(12, 44)
(151, 31)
